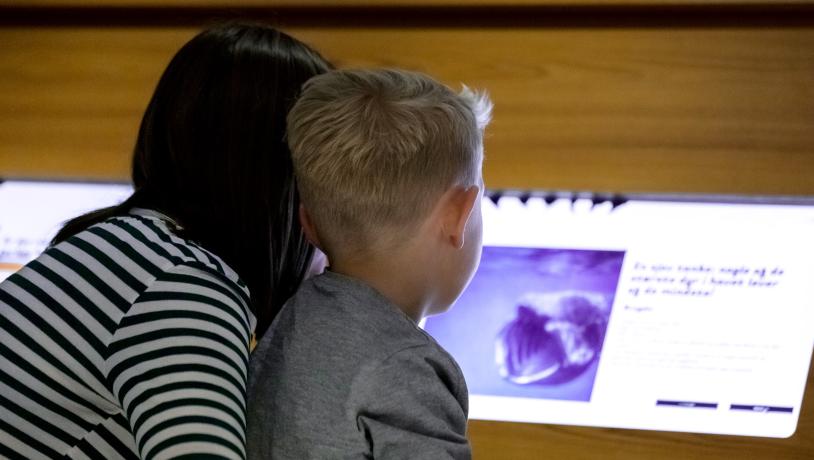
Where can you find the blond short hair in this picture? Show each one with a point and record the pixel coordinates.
(374, 150)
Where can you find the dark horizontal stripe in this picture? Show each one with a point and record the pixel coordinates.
(168, 333)
(181, 245)
(190, 438)
(150, 226)
(171, 296)
(75, 294)
(167, 352)
(37, 421)
(187, 402)
(106, 261)
(232, 285)
(209, 259)
(93, 452)
(58, 387)
(178, 369)
(126, 224)
(199, 457)
(46, 403)
(202, 282)
(164, 236)
(85, 273)
(68, 317)
(150, 317)
(183, 385)
(676, 15)
(127, 249)
(25, 438)
(115, 443)
(33, 346)
(6, 452)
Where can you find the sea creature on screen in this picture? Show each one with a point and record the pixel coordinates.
(553, 338)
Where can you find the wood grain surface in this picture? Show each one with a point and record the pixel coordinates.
(724, 111)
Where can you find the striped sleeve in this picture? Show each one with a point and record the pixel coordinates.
(178, 366)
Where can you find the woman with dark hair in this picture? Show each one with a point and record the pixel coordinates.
(129, 337)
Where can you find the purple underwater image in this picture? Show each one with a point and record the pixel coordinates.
(532, 322)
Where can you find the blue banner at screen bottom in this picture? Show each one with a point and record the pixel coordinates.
(687, 404)
(759, 408)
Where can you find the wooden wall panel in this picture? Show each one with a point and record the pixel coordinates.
(679, 110)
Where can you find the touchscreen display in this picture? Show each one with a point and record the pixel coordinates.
(640, 313)
(31, 213)
(683, 315)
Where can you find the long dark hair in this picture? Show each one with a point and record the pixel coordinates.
(211, 154)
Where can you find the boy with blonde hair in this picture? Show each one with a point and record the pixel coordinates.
(388, 165)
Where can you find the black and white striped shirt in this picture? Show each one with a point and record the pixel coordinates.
(124, 341)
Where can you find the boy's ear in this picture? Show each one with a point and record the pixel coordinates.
(308, 227)
(459, 205)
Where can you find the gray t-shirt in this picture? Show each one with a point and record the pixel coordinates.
(343, 373)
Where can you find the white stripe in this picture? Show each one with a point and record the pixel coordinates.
(183, 448)
(18, 446)
(241, 342)
(146, 251)
(143, 367)
(100, 397)
(122, 434)
(193, 410)
(160, 226)
(178, 286)
(183, 377)
(77, 454)
(38, 386)
(213, 396)
(50, 344)
(99, 270)
(183, 306)
(244, 307)
(40, 363)
(101, 446)
(230, 274)
(181, 340)
(71, 306)
(32, 430)
(196, 447)
(201, 256)
(123, 261)
(108, 308)
(41, 412)
(150, 235)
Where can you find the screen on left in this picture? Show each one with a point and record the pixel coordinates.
(31, 213)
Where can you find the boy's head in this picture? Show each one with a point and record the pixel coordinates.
(387, 158)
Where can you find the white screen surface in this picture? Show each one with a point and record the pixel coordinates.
(31, 213)
(675, 316)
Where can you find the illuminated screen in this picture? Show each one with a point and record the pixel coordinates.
(31, 213)
(648, 314)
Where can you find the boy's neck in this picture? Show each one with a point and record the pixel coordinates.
(395, 278)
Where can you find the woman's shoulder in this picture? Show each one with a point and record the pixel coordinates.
(147, 245)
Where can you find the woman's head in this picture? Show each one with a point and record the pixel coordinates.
(211, 154)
